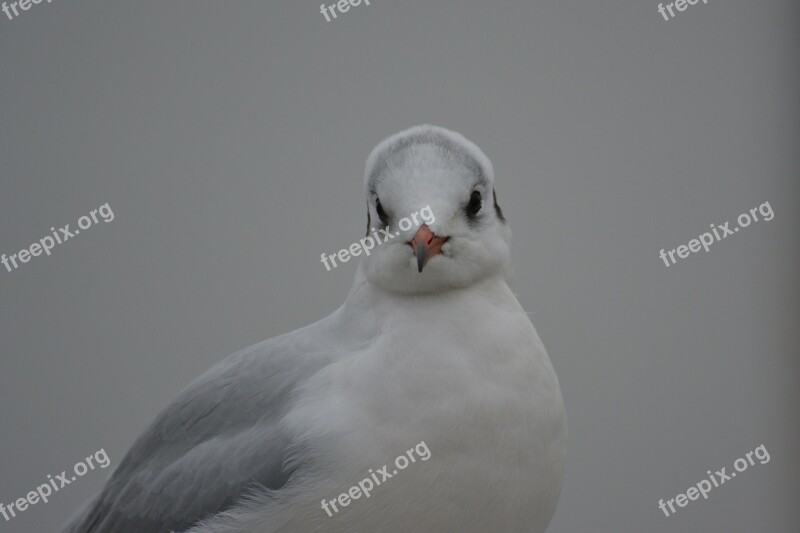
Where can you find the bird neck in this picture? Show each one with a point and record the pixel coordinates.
(369, 307)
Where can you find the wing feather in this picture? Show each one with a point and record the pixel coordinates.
(217, 440)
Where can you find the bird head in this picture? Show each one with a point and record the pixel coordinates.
(432, 205)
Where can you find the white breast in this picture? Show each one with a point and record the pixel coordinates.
(467, 374)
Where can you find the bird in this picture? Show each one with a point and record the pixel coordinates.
(429, 347)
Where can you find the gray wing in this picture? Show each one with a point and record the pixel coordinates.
(216, 441)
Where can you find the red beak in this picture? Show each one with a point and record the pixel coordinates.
(425, 245)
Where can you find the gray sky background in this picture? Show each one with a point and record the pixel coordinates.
(229, 139)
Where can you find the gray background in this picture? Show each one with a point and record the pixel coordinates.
(229, 139)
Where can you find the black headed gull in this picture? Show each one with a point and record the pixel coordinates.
(430, 346)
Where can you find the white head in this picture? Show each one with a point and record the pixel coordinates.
(447, 182)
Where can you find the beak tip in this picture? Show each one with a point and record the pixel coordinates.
(422, 255)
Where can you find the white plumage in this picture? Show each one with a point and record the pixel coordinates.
(446, 356)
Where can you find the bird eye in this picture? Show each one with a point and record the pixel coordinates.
(474, 204)
(381, 212)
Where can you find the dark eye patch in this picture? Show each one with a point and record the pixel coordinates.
(474, 205)
(382, 214)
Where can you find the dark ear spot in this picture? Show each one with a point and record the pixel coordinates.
(369, 221)
(497, 207)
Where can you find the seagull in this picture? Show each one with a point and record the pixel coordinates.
(430, 346)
